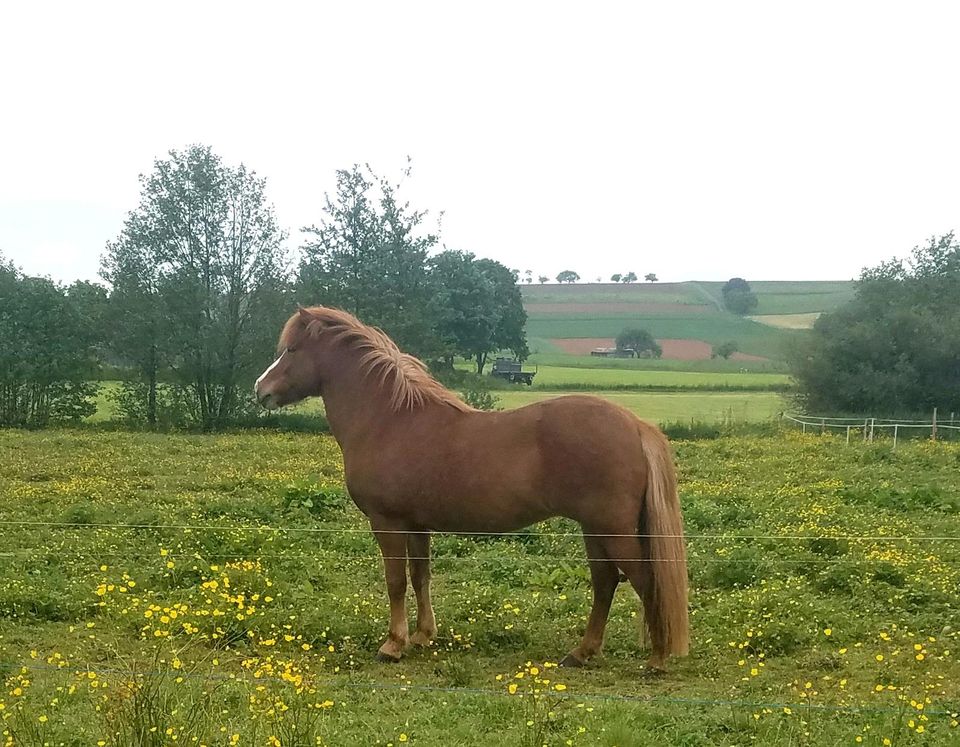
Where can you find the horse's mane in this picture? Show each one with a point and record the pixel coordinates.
(406, 378)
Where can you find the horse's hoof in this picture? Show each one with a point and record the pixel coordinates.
(572, 661)
(420, 639)
(387, 658)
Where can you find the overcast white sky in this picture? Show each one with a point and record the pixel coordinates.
(697, 140)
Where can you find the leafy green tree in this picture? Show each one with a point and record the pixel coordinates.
(650, 277)
(542, 279)
(509, 332)
(724, 350)
(134, 317)
(528, 276)
(478, 307)
(738, 296)
(616, 277)
(640, 341)
(630, 277)
(369, 255)
(567, 276)
(204, 249)
(894, 348)
(46, 352)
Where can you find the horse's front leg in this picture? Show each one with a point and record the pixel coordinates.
(393, 547)
(418, 555)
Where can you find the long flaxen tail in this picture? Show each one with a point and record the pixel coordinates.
(661, 533)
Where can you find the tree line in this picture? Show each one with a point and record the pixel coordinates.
(895, 348)
(198, 283)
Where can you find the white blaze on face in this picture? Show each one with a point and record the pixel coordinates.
(269, 369)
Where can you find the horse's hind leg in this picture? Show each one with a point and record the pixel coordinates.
(604, 577)
(418, 556)
(628, 552)
(393, 547)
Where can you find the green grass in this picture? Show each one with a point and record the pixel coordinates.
(752, 337)
(672, 407)
(557, 376)
(701, 320)
(661, 407)
(809, 628)
(710, 365)
(612, 293)
(793, 297)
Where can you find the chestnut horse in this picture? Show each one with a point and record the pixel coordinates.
(418, 459)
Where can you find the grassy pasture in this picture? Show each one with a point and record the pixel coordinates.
(793, 296)
(752, 337)
(672, 407)
(682, 293)
(813, 622)
(786, 307)
(788, 321)
(545, 355)
(559, 376)
(662, 407)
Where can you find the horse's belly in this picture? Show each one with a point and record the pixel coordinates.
(492, 516)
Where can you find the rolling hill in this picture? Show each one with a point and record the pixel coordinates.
(687, 317)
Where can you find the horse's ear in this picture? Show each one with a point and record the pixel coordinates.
(305, 315)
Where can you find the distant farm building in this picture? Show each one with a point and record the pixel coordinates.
(614, 352)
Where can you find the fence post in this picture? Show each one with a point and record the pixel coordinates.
(895, 429)
(804, 426)
(823, 426)
(848, 435)
(933, 425)
(872, 421)
(865, 421)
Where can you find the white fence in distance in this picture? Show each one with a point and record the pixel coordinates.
(868, 427)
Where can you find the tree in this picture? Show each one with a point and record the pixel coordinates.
(895, 347)
(650, 277)
(509, 331)
(640, 341)
(724, 350)
(204, 248)
(46, 345)
(567, 276)
(369, 255)
(479, 309)
(615, 278)
(528, 276)
(738, 297)
(542, 279)
(630, 277)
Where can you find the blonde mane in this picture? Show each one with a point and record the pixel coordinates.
(407, 379)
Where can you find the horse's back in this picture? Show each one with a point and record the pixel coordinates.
(481, 470)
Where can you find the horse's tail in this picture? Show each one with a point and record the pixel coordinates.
(665, 553)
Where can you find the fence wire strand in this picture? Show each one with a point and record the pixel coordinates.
(519, 534)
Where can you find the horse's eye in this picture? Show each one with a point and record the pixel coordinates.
(290, 350)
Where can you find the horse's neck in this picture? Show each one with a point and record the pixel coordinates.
(354, 404)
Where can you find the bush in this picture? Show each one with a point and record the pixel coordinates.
(724, 350)
(46, 358)
(481, 398)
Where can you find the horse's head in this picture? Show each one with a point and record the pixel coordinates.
(295, 374)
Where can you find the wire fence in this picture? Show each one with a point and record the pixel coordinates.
(505, 535)
(867, 429)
